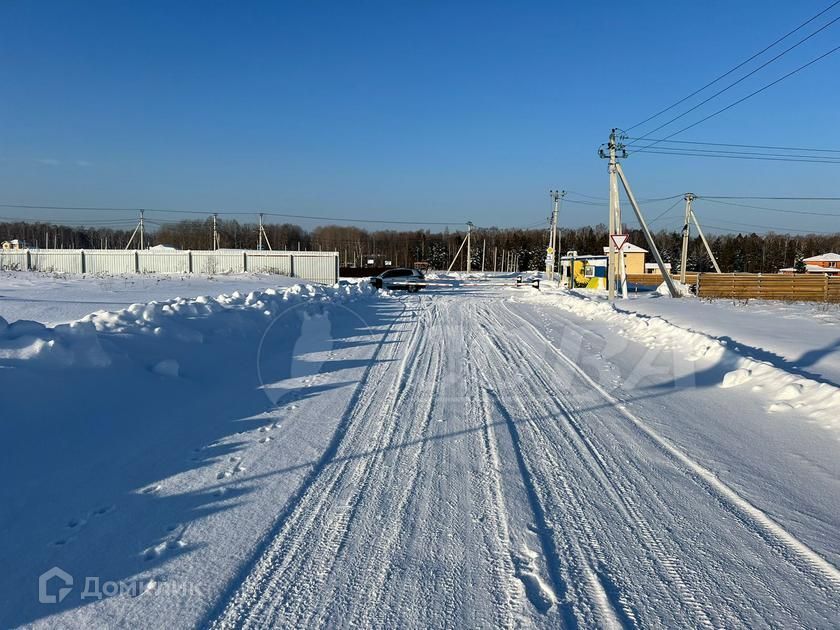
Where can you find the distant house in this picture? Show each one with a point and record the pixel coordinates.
(14, 244)
(822, 264)
(634, 258)
(163, 248)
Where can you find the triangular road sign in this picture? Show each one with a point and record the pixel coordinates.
(619, 240)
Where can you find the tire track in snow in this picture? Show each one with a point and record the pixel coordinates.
(255, 579)
(290, 597)
(587, 454)
(740, 611)
(798, 553)
(580, 588)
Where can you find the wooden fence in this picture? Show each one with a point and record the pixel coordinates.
(749, 286)
(655, 279)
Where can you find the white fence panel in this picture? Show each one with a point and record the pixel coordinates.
(219, 262)
(312, 266)
(13, 260)
(164, 262)
(316, 266)
(110, 261)
(262, 262)
(56, 260)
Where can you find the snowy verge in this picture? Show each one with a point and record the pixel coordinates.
(782, 390)
(78, 343)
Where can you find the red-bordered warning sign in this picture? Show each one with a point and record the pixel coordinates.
(619, 240)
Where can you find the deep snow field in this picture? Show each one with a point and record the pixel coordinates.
(59, 298)
(260, 453)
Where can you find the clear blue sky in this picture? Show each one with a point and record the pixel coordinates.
(438, 111)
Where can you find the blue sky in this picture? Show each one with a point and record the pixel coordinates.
(405, 110)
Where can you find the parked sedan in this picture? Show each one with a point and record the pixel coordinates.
(411, 280)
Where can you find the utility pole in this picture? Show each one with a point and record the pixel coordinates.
(706, 243)
(483, 252)
(469, 245)
(689, 197)
(215, 233)
(557, 230)
(142, 231)
(458, 253)
(259, 234)
(550, 251)
(614, 148)
(615, 212)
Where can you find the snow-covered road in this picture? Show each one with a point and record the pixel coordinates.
(471, 456)
(481, 478)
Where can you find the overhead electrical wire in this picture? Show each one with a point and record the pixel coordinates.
(744, 98)
(225, 213)
(736, 82)
(769, 157)
(740, 146)
(765, 208)
(737, 67)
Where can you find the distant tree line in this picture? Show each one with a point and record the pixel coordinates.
(747, 252)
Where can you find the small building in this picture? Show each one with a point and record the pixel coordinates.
(634, 258)
(823, 264)
(163, 248)
(590, 272)
(14, 244)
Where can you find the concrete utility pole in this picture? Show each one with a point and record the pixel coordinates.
(469, 246)
(666, 276)
(142, 231)
(614, 151)
(259, 234)
(551, 250)
(615, 213)
(215, 233)
(705, 242)
(483, 252)
(689, 197)
(458, 253)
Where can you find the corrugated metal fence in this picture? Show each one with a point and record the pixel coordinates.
(313, 266)
(747, 286)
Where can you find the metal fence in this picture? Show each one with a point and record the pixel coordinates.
(313, 266)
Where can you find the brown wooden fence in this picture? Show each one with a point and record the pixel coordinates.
(747, 286)
(655, 279)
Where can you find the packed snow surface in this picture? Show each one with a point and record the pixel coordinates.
(475, 455)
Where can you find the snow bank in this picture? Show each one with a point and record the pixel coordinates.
(79, 343)
(781, 389)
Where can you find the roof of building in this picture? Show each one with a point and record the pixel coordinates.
(629, 248)
(829, 257)
(811, 269)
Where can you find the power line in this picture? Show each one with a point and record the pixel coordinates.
(771, 198)
(736, 82)
(740, 65)
(741, 146)
(767, 228)
(768, 157)
(765, 208)
(748, 96)
(226, 213)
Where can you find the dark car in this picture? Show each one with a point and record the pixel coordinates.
(411, 280)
